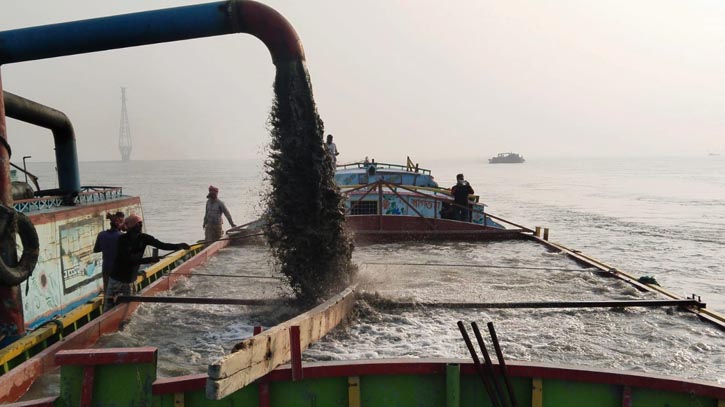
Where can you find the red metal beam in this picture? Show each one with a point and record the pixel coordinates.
(110, 356)
(44, 402)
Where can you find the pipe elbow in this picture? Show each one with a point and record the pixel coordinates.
(269, 26)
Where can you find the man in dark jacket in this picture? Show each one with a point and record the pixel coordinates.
(129, 258)
(107, 242)
(460, 193)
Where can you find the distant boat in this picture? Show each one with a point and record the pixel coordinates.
(507, 158)
(714, 154)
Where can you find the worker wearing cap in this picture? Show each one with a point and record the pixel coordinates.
(129, 258)
(213, 215)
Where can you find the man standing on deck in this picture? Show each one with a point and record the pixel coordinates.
(460, 193)
(213, 215)
(129, 258)
(332, 150)
(106, 243)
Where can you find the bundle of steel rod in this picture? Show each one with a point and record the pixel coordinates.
(487, 373)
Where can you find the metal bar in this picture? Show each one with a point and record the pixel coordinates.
(477, 364)
(198, 300)
(509, 222)
(502, 364)
(474, 266)
(231, 237)
(229, 275)
(432, 227)
(488, 365)
(352, 189)
(551, 304)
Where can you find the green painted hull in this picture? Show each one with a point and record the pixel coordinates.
(111, 377)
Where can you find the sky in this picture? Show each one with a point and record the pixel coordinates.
(463, 79)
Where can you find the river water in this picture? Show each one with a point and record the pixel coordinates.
(660, 217)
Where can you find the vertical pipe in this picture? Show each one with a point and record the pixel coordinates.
(12, 322)
(546, 233)
(453, 385)
(537, 233)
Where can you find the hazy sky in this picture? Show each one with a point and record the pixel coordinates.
(396, 78)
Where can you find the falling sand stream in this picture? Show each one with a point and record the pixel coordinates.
(305, 221)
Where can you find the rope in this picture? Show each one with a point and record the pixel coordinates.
(471, 265)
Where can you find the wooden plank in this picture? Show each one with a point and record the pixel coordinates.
(262, 353)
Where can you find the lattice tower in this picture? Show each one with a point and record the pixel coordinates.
(124, 134)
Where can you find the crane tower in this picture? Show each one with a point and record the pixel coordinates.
(124, 135)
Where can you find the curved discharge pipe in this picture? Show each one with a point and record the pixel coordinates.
(66, 157)
(152, 27)
(128, 30)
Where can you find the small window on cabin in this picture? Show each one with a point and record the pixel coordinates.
(364, 208)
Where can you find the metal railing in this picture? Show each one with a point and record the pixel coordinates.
(87, 195)
(379, 166)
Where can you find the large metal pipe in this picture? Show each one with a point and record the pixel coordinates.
(66, 157)
(152, 27)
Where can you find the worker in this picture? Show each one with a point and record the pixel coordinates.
(213, 215)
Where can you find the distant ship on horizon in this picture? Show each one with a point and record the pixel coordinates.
(507, 158)
(714, 154)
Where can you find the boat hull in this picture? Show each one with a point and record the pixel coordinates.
(398, 382)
